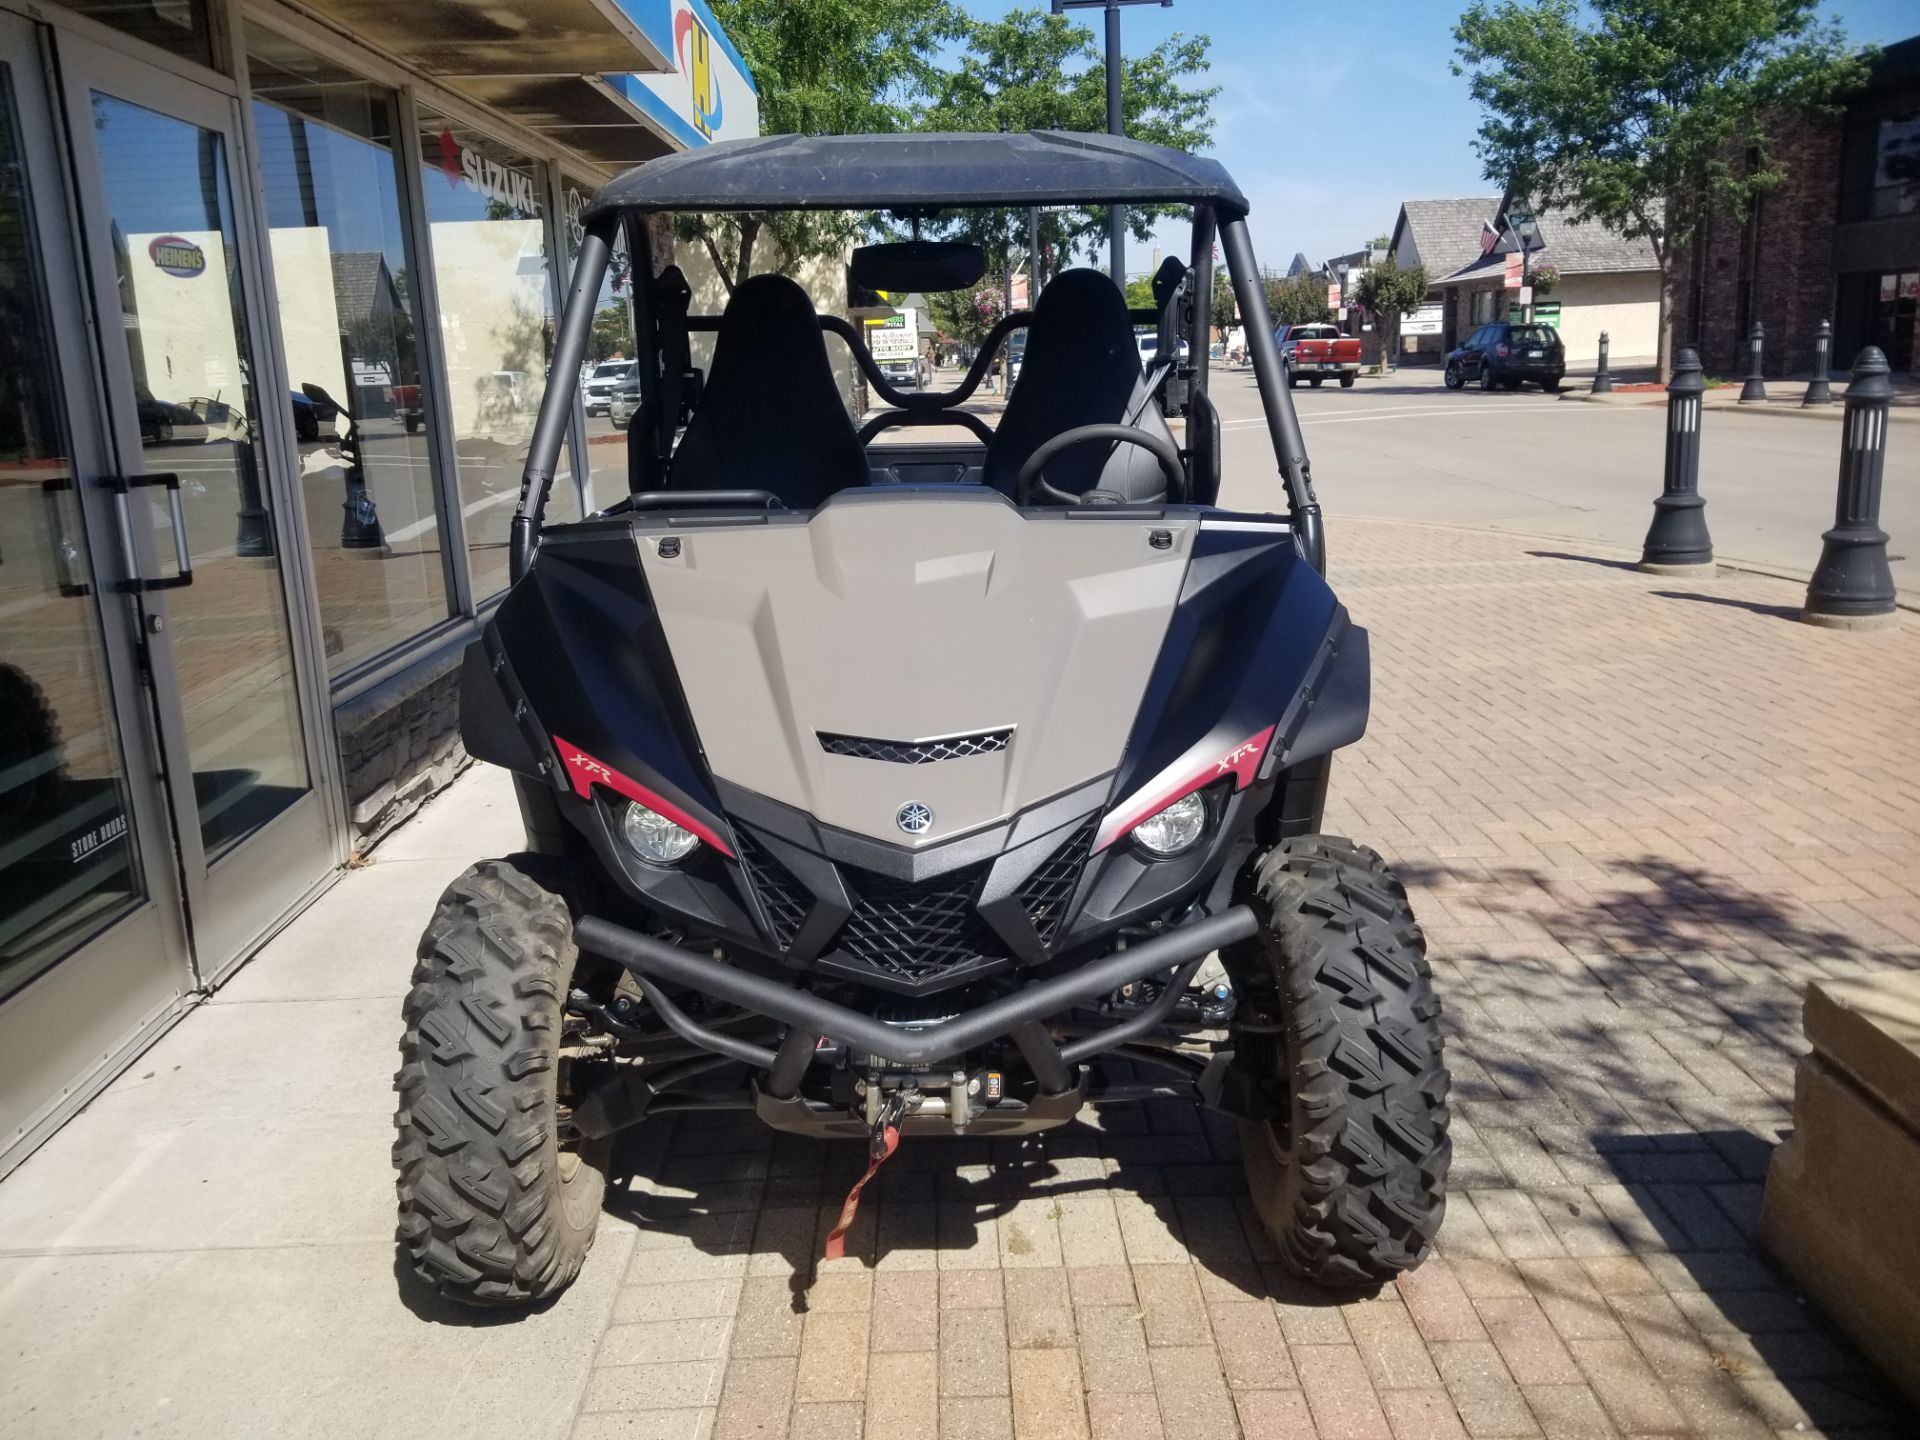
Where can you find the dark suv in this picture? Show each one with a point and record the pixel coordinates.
(1507, 354)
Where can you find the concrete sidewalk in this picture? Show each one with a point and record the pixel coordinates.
(1637, 816)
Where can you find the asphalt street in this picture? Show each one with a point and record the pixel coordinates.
(1406, 448)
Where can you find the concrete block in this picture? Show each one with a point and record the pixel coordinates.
(1839, 1215)
(1869, 1028)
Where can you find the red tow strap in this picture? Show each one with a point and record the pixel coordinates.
(885, 1142)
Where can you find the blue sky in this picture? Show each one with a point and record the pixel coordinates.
(1329, 115)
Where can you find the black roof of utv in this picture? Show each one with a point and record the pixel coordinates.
(914, 172)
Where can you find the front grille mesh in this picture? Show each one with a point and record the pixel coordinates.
(912, 752)
(915, 932)
(1049, 890)
(783, 897)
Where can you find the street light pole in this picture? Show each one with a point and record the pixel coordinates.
(1116, 115)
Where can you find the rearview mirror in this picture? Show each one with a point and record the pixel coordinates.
(904, 267)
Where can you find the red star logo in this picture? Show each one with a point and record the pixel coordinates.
(450, 158)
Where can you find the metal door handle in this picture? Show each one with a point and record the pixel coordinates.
(124, 485)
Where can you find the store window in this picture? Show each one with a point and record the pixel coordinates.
(349, 332)
(608, 380)
(1896, 167)
(492, 270)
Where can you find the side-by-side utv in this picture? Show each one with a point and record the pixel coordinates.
(889, 788)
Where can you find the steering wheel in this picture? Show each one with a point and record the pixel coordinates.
(1161, 447)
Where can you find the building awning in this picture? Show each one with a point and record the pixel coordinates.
(599, 77)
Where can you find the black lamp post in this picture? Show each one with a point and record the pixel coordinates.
(1820, 388)
(1852, 586)
(1756, 387)
(1677, 541)
(1116, 119)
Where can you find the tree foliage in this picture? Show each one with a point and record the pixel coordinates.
(823, 67)
(1035, 71)
(1223, 306)
(1390, 293)
(1301, 300)
(965, 316)
(1645, 115)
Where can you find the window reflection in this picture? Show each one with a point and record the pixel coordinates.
(609, 383)
(487, 209)
(66, 849)
(347, 323)
(171, 216)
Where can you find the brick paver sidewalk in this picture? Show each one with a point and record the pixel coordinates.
(1638, 815)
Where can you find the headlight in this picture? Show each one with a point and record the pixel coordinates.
(1174, 829)
(655, 838)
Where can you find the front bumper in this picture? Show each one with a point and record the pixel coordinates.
(811, 1018)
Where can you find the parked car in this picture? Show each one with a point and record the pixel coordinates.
(163, 422)
(622, 404)
(599, 387)
(1502, 353)
(913, 372)
(1318, 352)
(1148, 342)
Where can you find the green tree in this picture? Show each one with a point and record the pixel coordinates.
(1390, 293)
(1633, 113)
(1223, 306)
(1299, 301)
(823, 67)
(1035, 71)
(612, 333)
(965, 316)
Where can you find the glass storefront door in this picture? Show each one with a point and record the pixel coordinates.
(159, 804)
(1896, 318)
(93, 946)
(237, 715)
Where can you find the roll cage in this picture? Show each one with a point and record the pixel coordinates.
(910, 175)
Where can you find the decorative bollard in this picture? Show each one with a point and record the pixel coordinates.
(1677, 541)
(1819, 392)
(1852, 586)
(1602, 378)
(1755, 388)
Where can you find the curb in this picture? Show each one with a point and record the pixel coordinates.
(1904, 415)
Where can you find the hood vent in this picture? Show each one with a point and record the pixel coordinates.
(916, 752)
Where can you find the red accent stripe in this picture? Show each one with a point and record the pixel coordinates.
(1242, 762)
(584, 772)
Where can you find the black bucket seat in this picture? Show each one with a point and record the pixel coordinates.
(770, 417)
(1082, 367)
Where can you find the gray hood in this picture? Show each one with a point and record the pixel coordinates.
(910, 617)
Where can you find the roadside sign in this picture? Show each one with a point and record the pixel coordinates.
(1427, 320)
(894, 338)
(1526, 294)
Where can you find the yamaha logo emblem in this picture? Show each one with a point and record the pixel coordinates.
(914, 818)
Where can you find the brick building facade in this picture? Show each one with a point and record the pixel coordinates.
(1773, 264)
(1839, 240)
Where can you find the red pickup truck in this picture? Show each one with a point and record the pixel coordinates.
(1318, 352)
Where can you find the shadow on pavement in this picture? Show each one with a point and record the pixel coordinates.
(1698, 1196)
(1777, 612)
(771, 1198)
(429, 1305)
(1584, 559)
